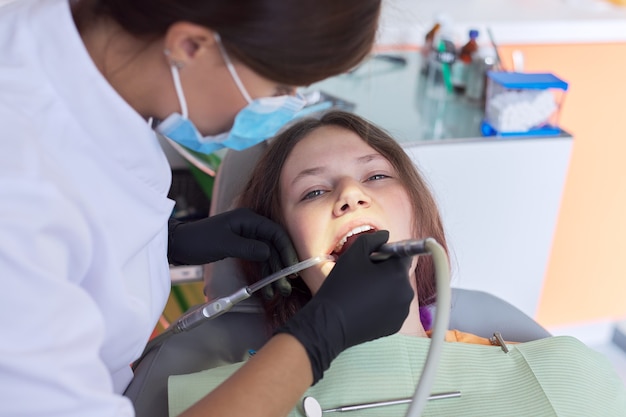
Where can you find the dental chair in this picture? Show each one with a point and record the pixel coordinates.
(228, 338)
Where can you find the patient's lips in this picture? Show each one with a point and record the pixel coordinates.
(347, 241)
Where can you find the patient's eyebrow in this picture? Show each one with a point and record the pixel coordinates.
(319, 170)
(370, 157)
(307, 173)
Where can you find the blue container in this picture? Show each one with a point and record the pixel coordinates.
(523, 104)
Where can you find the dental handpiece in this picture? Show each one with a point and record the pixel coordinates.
(401, 249)
(221, 305)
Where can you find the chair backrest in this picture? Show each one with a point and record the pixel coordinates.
(483, 314)
(223, 277)
(229, 337)
(223, 340)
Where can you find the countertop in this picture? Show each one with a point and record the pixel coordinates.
(389, 90)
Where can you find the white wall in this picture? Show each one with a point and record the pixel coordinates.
(499, 199)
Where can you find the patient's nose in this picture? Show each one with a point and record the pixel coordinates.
(351, 197)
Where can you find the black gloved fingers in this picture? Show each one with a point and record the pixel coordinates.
(268, 292)
(370, 242)
(355, 259)
(252, 225)
(272, 265)
(359, 301)
(373, 296)
(208, 240)
(172, 225)
(385, 297)
(283, 286)
(239, 233)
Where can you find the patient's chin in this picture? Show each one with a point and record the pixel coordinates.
(314, 277)
(326, 268)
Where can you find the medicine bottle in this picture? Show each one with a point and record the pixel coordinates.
(483, 60)
(435, 90)
(431, 40)
(428, 45)
(463, 61)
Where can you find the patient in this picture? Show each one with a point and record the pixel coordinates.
(329, 180)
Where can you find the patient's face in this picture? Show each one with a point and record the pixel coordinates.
(334, 185)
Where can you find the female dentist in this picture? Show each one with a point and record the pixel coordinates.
(83, 190)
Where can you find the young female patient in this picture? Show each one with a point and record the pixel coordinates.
(327, 182)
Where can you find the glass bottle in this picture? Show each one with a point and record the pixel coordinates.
(464, 60)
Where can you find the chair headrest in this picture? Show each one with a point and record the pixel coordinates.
(225, 277)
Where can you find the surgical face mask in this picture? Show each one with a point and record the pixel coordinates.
(259, 120)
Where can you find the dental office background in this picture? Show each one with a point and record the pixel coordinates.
(581, 287)
(578, 284)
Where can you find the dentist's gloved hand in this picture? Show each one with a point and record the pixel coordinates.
(239, 233)
(282, 286)
(361, 300)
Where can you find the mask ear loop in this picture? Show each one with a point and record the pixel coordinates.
(174, 68)
(231, 68)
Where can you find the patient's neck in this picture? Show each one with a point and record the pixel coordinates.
(412, 326)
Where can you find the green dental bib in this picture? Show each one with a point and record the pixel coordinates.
(557, 376)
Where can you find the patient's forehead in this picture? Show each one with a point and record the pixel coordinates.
(329, 151)
(327, 144)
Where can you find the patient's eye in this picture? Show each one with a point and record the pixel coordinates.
(376, 177)
(312, 194)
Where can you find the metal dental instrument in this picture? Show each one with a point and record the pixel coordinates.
(312, 407)
(495, 47)
(221, 305)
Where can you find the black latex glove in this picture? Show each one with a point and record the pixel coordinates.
(282, 286)
(360, 300)
(239, 233)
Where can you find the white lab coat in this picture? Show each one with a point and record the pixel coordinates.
(83, 223)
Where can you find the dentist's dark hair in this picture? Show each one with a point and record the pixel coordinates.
(262, 194)
(294, 42)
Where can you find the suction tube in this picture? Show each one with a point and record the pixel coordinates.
(440, 327)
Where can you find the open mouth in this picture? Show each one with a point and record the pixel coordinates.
(347, 241)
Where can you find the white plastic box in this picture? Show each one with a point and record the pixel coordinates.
(523, 104)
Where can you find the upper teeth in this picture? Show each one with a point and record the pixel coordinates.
(355, 231)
